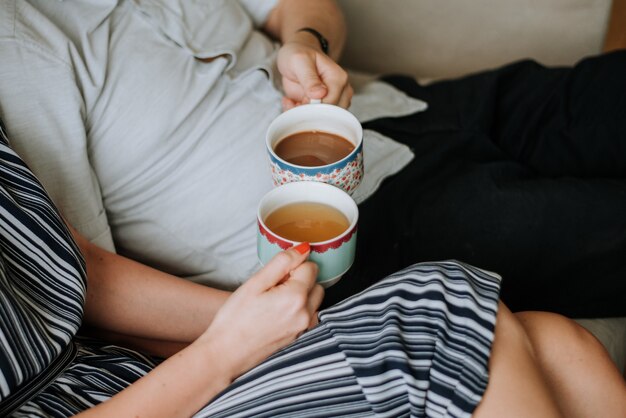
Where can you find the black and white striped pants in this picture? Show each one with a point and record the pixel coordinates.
(415, 344)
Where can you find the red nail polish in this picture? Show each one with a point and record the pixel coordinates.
(302, 248)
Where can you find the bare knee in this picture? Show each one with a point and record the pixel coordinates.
(516, 385)
(576, 366)
(554, 336)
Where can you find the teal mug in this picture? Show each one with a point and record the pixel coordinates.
(333, 256)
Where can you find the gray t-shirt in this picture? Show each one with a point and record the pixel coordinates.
(112, 94)
(109, 104)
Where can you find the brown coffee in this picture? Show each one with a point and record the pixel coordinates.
(313, 148)
(307, 222)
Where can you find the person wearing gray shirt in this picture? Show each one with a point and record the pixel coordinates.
(151, 115)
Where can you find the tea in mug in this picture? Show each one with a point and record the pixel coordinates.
(307, 222)
(313, 148)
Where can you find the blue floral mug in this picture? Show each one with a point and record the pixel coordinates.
(345, 174)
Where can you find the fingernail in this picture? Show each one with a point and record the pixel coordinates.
(317, 87)
(302, 248)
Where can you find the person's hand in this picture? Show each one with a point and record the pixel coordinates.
(310, 74)
(266, 313)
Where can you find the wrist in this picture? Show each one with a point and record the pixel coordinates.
(219, 357)
(321, 39)
(305, 38)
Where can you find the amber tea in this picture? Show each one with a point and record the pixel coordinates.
(313, 148)
(307, 222)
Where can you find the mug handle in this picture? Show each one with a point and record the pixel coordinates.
(315, 101)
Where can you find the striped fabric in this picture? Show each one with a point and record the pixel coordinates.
(415, 344)
(98, 372)
(42, 276)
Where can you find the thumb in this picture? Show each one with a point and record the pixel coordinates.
(308, 77)
(278, 268)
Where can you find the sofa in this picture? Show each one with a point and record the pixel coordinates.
(438, 39)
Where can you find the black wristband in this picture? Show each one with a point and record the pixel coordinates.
(323, 41)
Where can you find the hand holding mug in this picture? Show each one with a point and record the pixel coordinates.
(309, 74)
(267, 312)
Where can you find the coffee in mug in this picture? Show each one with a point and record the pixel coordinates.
(307, 222)
(313, 148)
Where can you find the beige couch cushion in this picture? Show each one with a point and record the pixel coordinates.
(443, 38)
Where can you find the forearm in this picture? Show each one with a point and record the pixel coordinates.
(129, 298)
(265, 314)
(322, 15)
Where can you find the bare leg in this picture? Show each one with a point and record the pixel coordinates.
(616, 34)
(516, 388)
(578, 369)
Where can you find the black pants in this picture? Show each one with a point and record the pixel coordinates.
(521, 171)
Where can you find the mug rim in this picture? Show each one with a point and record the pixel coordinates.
(352, 154)
(350, 230)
